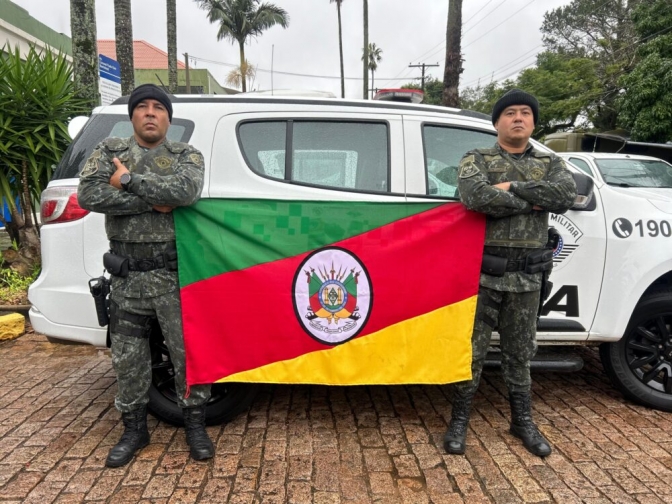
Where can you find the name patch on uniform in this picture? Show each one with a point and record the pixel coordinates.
(468, 167)
(91, 165)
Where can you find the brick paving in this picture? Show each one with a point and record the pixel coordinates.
(300, 444)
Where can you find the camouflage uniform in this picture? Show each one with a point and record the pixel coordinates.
(513, 230)
(170, 174)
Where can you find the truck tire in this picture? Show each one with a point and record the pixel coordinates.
(640, 363)
(228, 399)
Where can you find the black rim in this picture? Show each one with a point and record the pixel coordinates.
(163, 375)
(649, 352)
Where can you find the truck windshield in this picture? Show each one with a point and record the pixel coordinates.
(636, 172)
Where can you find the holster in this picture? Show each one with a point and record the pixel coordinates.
(546, 284)
(115, 264)
(100, 290)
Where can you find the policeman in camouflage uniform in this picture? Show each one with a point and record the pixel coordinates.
(516, 186)
(137, 182)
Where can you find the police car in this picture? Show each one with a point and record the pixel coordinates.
(613, 267)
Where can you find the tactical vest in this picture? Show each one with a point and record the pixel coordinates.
(148, 226)
(528, 230)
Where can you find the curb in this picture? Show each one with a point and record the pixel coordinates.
(22, 309)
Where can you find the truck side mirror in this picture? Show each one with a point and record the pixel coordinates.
(585, 200)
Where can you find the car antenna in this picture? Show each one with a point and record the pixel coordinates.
(162, 84)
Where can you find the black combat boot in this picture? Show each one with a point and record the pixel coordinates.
(200, 446)
(135, 437)
(455, 439)
(524, 428)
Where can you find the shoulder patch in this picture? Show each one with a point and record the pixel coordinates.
(196, 158)
(163, 162)
(468, 169)
(468, 159)
(91, 165)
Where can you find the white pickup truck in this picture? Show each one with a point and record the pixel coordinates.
(613, 265)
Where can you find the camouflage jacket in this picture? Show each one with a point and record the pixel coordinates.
(170, 174)
(512, 227)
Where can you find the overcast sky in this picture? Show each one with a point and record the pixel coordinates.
(499, 37)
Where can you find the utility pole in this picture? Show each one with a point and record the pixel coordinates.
(186, 72)
(423, 66)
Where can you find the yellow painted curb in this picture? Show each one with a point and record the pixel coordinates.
(12, 326)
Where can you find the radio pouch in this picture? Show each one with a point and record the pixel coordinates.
(538, 261)
(493, 265)
(116, 265)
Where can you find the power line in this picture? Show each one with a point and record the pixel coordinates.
(442, 43)
(294, 74)
(476, 14)
(493, 10)
(500, 24)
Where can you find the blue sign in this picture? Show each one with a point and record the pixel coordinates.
(109, 69)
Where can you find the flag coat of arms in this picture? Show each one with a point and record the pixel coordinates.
(322, 292)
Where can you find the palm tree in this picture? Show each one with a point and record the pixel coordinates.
(366, 48)
(375, 56)
(85, 50)
(123, 35)
(241, 19)
(453, 68)
(340, 43)
(238, 75)
(171, 25)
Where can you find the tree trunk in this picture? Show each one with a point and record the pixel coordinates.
(123, 35)
(85, 50)
(366, 49)
(340, 48)
(171, 11)
(373, 88)
(451, 75)
(242, 65)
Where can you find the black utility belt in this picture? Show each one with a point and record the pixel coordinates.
(120, 265)
(536, 261)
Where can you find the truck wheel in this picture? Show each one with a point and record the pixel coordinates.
(228, 399)
(640, 364)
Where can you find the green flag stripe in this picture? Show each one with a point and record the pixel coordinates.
(232, 234)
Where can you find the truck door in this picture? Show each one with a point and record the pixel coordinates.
(569, 312)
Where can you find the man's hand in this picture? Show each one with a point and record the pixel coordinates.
(537, 207)
(163, 208)
(504, 186)
(121, 169)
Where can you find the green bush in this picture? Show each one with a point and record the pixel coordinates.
(37, 100)
(14, 286)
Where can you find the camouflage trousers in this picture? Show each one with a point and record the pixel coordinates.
(131, 357)
(515, 316)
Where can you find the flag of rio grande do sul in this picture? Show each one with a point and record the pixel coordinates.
(321, 292)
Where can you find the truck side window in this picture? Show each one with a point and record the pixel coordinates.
(263, 144)
(580, 163)
(444, 147)
(351, 155)
(345, 155)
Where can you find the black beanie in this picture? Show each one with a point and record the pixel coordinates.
(515, 97)
(149, 91)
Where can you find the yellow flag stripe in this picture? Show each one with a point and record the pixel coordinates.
(433, 348)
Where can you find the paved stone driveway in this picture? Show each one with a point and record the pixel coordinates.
(324, 444)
